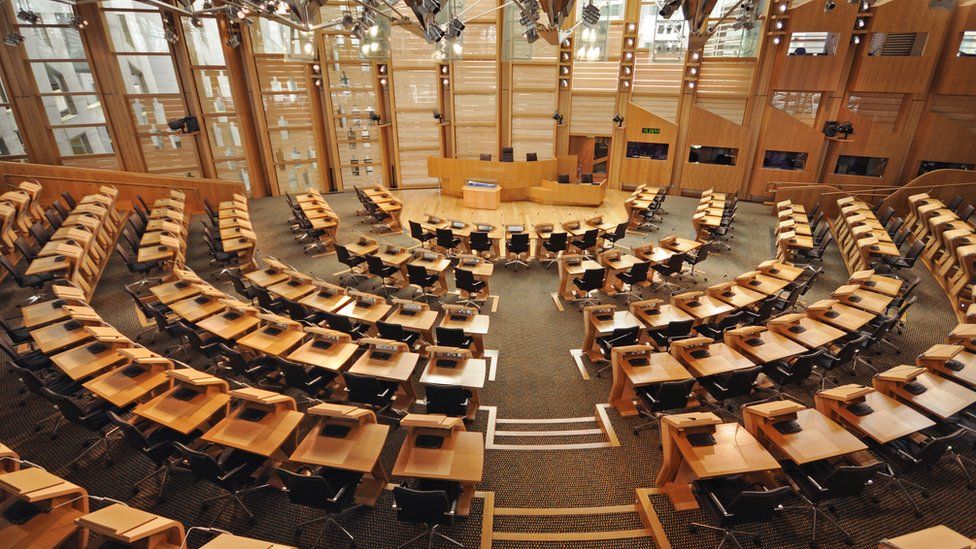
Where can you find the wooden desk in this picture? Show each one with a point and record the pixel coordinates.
(230, 541)
(811, 333)
(568, 270)
(762, 346)
(721, 359)
(273, 340)
(55, 528)
(627, 376)
(460, 459)
(879, 284)
(737, 296)
(937, 357)
(186, 415)
(468, 373)
(942, 397)
(940, 537)
(134, 527)
(398, 368)
(229, 325)
(197, 308)
(45, 312)
(81, 362)
(367, 314)
(781, 270)
(474, 326)
(819, 437)
(334, 358)
(735, 452)
(276, 430)
(293, 289)
(176, 290)
(122, 388)
(889, 421)
(266, 277)
(325, 300)
(863, 299)
(761, 283)
(55, 337)
(657, 316)
(601, 320)
(703, 308)
(839, 315)
(358, 450)
(421, 322)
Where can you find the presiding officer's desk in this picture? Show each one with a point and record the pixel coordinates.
(519, 180)
(698, 445)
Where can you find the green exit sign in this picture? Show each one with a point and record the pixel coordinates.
(651, 130)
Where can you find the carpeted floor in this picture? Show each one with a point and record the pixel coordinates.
(536, 379)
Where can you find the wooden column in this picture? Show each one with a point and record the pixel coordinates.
(246, 89)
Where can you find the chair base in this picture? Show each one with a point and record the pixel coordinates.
(236, 499)
(727, 534)
(329, 520)
(902, 485)
(517, 262)
(815, 513)
(430, 533)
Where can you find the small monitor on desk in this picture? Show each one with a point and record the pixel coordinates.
(457, 224)
(515, 228)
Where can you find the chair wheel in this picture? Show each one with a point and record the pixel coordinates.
(692, 529)
(848, 541)
(925, 493)
(134, 490)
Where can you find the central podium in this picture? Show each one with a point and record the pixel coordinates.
(522, 180)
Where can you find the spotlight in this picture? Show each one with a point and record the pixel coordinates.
(829, 5)
(558, 117)
(777, 40)
(374, 117)
(233, 41)
(29, 17)
(171, 36)
(855, 39)
(77, 23)
(454, 28)
(691, 85)
(591, 15)
(429, 6)
(208, 5)
(433, 33)
(668, 9)
(832, 128)
(196, 22)
(13, 39)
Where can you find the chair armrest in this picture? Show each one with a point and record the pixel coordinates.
(232, 472)
(718, 504)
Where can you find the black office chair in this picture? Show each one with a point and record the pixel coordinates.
(619, 233)
(479, 242)
(849, 350)
(445, 239)
(816, 253)
(395, 332)
(465, 280)
(508, 154)
(40, 233)
(619, 337)
(820, 481)
(729, 385)
(91, 416)
(345, 325)
(418, 233)
(696, 257)
(784, 373)
(485, 157)
(449, 400)
(672, 268)
(654, 399)
(373, 393)
(736, 501)
(353, 262)
(586, 178)
(230, 471)
(329, 490)
(18, 335)
(33, 282)
(587, 242)
(452, 337)
(518, 244)
(906, 262)
(267, 301)
(715, 330)
(908, 454)
(633, 278)
(955, 203)
(255, 372)
(674, 331)
(589, 284)
(555, 245)
(69, 200)
(562, 178)
(310, 381)
(137, 223)
(157, 445)
(241, 286)
(432, 508)
(418, 276)
(30, 360)
(54, 217)
(384, 272)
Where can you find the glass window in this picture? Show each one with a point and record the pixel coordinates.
(654, 151)
(802, 106)
(79, 141)
(53, 43)
(10, 142)
(666, 39)
(868, 166)
(967, 47)
(784, 160)
(931, 165)
(134, 31)
(203, 43)
(722, 156)
(812, 43)
(897, 44)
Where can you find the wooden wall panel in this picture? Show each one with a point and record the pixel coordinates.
(957, 74)
(870, 139)
(634, 171)
(908, 74)
(815, 73)
(711, 130)
(82, 181)
(782, 132)
(939, 139)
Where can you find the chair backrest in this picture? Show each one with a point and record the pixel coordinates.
(445, 238)
(294, 373)
(308, 490)
(954, 203)
(589, 238)
(449, 400)
(479, 241)
(820, 233)
(40, 233)
(420, 506)
(338, 322)
(125, 253)
(130, 433)
(68, 407)
(593, 278)
(265, 301)
(69, 200)
(416, 231)
(966, 212)
(757, 505)
(25, 248)
(894, 224)
(914, 252)
(639, 271)
(802, 366)
(674, 264)
(191, 335)
(557, 241)
(389, 330)
(417, 274)
(851, 349)
(885, 215)
(450, 337)
(234, 360)
(901, 237)
(849, 480)
(239, 286)
(485, 157)
(202, 466)
(620, 232)
(33, 383)
(700, 255)
(671, 395)
(464, 279)
(531, 157)
(9, 267)
(932, 451)
(342, 254)
(903, 308)
(678, 328)
(375, 265)
(740, 382)
(142, 201)
(586, 178)
(621, 337)
(824, 242)
(519, 243)
(362, 389)
(61, 210)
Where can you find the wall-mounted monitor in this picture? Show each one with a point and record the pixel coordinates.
(784, 160)
(654, 151)
(723, 156)
(867, 166)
